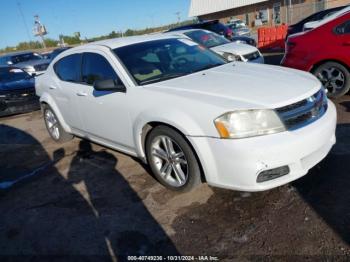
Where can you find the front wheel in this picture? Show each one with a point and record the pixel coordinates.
(172, 159)
(334, 77)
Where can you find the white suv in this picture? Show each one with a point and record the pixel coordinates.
(188, 113)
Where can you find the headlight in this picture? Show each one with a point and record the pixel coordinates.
(248, 123)
(231, 57)
(29, 69)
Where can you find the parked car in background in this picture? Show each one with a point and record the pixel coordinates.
(17, 91)
(56, 52)
(222, 46)
(31, 62)
(325, 52)
(334, 15)
(298, 27)
(238, 27)
(219, 28)
(188, 113)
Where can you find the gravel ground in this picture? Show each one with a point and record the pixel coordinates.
(83, 201)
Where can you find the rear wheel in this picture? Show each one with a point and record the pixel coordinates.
(334, 77)
(54, 127)
(172, 159)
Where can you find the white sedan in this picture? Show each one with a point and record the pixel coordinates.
(232, 51)
(188, 113)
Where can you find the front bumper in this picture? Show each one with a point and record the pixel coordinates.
(236, 163)
(18, 103)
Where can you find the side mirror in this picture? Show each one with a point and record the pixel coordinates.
(109, 85)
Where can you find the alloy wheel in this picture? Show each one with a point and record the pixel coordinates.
(169, 160)
(52, 124)
(332, 79)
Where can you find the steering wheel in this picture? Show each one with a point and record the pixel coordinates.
(179, 63)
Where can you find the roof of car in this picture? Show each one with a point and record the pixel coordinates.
(125, 41)
(194, 25)
(186, 31)
(17, 53)
(335, 15)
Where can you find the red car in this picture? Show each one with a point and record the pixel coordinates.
(325, 52)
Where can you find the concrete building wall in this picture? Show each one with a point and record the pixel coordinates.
(287, 15)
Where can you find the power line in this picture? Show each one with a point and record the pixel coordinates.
(24, 21)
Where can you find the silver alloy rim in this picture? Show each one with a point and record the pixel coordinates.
(170, 161)
(333, 79)
(52, 124)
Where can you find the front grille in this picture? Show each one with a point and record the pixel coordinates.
(252, 56)
(304, 112)
(41, 67)
(18, 95)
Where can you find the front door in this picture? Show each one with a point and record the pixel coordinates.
(104, 113)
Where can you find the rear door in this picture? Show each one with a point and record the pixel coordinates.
(342, 39)
(65, 87)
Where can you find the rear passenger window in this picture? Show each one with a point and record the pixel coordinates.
(69, 68)
(96, 67)
(343, 28)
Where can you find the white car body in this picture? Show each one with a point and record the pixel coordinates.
(314, 24)
(247, 53)
(190, 104)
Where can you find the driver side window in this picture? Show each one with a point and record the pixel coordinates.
(96, 67)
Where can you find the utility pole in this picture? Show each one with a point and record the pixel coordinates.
(178, 16)
(39, 30)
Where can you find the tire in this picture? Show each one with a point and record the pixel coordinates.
(53, 126)
(167, 162)
(334, 77)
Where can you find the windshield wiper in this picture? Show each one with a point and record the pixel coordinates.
(207, 67)
(163, 78)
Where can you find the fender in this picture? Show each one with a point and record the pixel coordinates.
(47, 98)
(189, 128)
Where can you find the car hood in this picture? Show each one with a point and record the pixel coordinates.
(244, 85)
(33, 63)
(17, 85)
(234, 48)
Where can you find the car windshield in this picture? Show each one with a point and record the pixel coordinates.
(237, 25)
(12, 74)
(208, 39)
(25, 57)
(160, 60)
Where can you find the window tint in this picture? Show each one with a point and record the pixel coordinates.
(96, 67)
(344, 28)
(69, 68)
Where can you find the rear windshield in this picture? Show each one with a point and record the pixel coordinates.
(25, 57)
(208, 39)
(216, 27)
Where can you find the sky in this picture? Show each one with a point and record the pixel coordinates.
(89, 17)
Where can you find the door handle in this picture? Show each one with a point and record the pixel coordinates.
(81, 94)
(52, 87)
(346, 43)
